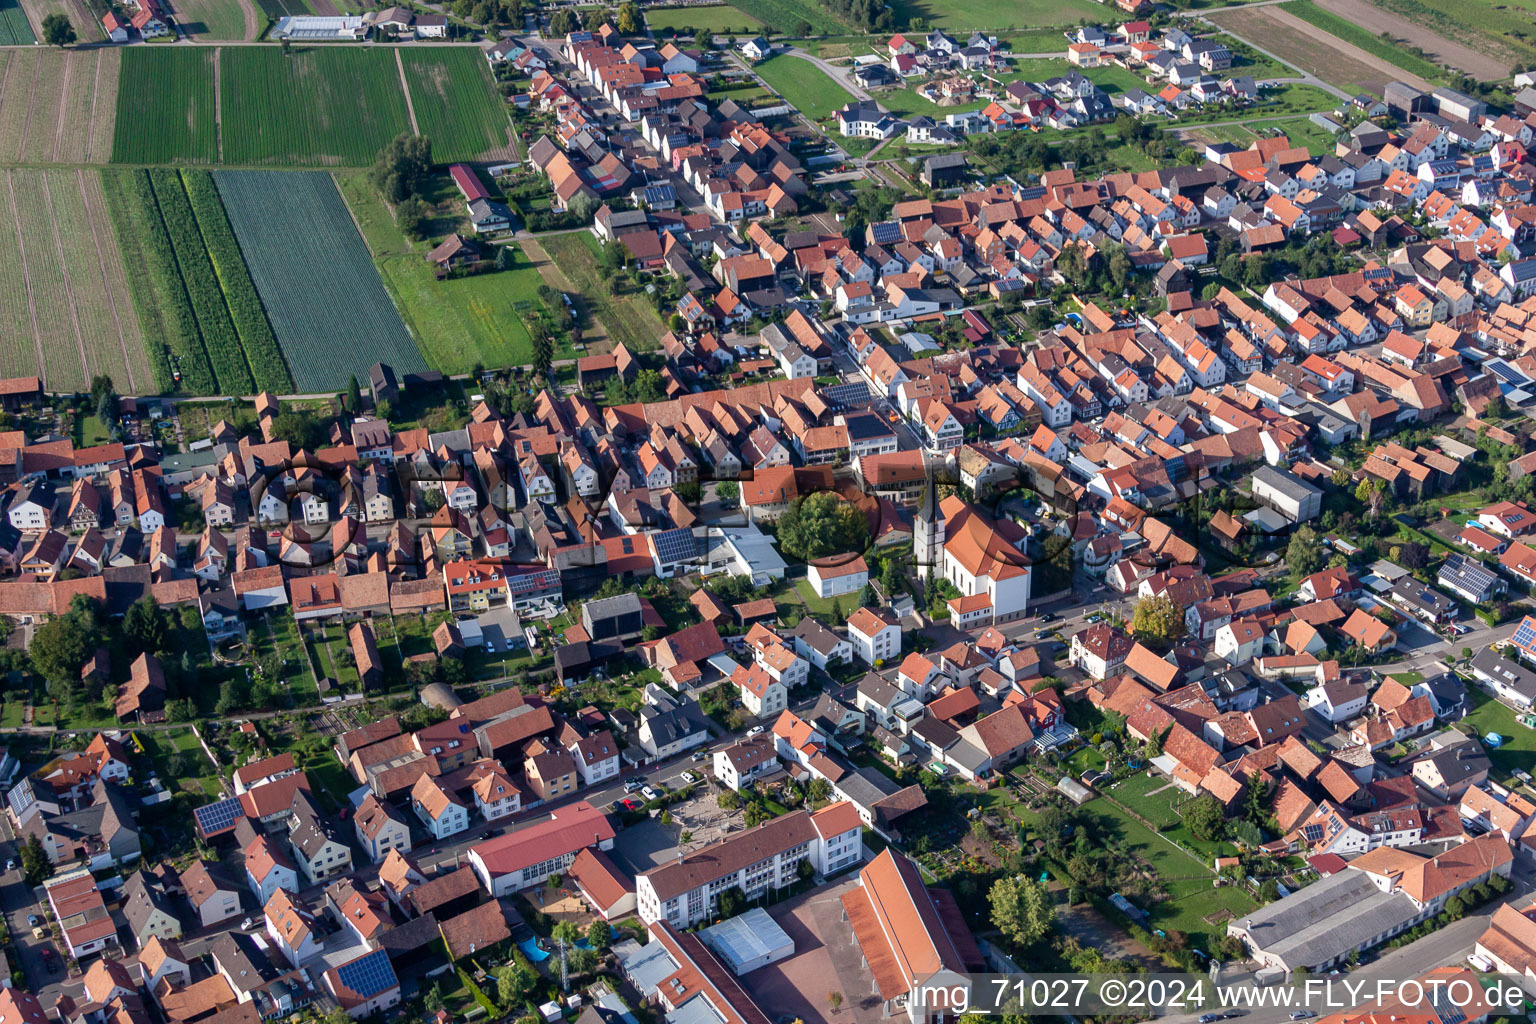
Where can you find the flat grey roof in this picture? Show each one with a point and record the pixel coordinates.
(1286, 483)
(1326, 920)
(747, 937)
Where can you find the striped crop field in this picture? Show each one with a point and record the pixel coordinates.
(311, 107)
(320, 289)
(63, 292)
(57, 106)
(166, 106)
(15, 30)
(456, 105)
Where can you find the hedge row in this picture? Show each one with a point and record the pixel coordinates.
(185, 339)
(256, 338)
(223, 345)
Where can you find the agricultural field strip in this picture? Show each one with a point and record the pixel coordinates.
(21, 250)
(257, 343)
(452, 95)
(284, 245)
(325, 107)
(184, 336)
(166, 106)
(109, 261)
(69, 288)
(47, 284)
(231, 373)
(144, 291)
(15, 30)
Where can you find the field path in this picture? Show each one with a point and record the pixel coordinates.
(1435, 46)
(106, 275)
(553, 276)
(218, 104)
(58, 132)
(405, 87)
(69, 286)
(21, 249)
(252, 20)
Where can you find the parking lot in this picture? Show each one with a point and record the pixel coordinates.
(650, 844)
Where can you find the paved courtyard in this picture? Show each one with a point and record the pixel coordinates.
(826, 959)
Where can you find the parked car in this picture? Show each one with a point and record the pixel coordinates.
(651, 793)
(700, 755)
(690, 777)
(33, 921)
(756, 730)
(632, 785)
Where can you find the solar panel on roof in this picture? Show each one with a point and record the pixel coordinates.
(675, 545)
(368, 975)
(216, 817)
(856, 393)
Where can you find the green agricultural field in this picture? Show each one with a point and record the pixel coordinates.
(15, 30)
(722, 20)
(322, 294)
(455, 102)
(219, 20)
(166, 106)
(458, 322)
(804, 85)
(786, 15)
(321, 106)
(1498, 27)
(969, 15)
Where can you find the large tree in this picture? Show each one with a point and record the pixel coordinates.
(1157, 620)
(402, 166)
(57, 31)
(820, 525)
(1205, 818)
(1021, 909)
(1304, 555)
(62, 644)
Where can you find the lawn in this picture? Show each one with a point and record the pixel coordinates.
(967, 15)
(630, 318)
(1191, 899)
(1488, 715)
(458, 322)
(685, 21)
(13, 714)
(1038, 40)
(804, 85)
(1301, 131)
(1137, 791)
(1487, 25)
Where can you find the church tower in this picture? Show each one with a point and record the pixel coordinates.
(928, 533)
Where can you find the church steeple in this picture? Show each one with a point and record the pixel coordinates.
(928, 531)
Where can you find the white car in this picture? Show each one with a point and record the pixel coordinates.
(649, 793)
(756, 730)
(1480, 962)
(690, 777)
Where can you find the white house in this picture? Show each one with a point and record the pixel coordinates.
(839, 574)
(438, 809)
(873, 636)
